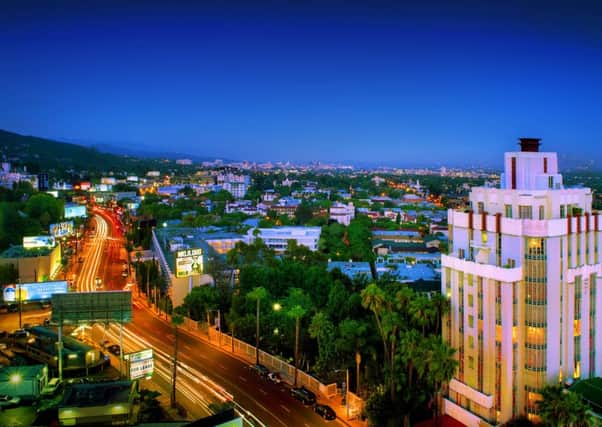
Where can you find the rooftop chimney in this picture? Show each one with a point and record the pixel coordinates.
(529, 144)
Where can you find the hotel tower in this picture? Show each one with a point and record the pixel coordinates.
(522, 275)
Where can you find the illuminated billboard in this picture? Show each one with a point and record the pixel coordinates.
(86, 307)
(75, 211)
(32, 242)
(141, 364)
(34, 291)
(61, 229)
(189, 262)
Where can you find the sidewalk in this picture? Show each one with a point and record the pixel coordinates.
(211, 337)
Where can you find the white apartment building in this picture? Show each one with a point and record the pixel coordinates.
(521, 275)
(341, 213)
(237, 185)
(277, 238)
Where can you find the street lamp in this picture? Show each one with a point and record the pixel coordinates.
(277, 306)
(16, 379)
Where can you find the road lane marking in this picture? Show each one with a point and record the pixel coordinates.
(285, 408)
(242, 378)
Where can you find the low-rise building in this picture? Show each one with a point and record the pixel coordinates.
(341, 213)
(277, 238)
(23, 381)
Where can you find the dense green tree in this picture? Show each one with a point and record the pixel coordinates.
(303, 213)
(323, 330)
(561, 407)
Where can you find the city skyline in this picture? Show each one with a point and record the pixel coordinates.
(335, 82)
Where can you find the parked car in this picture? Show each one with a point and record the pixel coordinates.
(8, 401)
(260, 370)
(303, 395)
(114, 349)
(274, 377)
(46, 322)
(325, 412)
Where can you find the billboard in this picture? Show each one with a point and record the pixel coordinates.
(34, 291)
(75, 211)
(189, 262)
(61, 229)
(86, 307)
(30, 242)
(140, 364)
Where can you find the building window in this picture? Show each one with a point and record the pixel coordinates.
(541, 212)
(470, 321)
(484, 237)
(508, 211)
(550, 182)
(470, 341)
(562, 211)
(470, 300)
(525, 212)
(470, 362)
(480, 207)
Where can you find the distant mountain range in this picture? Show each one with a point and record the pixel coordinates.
(48, 154)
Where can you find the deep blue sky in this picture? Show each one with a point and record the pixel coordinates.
(425, 83)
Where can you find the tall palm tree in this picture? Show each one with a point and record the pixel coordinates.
(296, 312)
(421, 313)
(176, 321)
(561, 407)
(441, 305)
(441, 367)
(374, 299)
(259, 293)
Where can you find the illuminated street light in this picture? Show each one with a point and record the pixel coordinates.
(277, 306)
(16, 378)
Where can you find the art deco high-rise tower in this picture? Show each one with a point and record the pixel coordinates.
(522, 276)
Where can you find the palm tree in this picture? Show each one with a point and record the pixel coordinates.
(176, 321)
(421, 312)
(374, 299)
(259, 293)
(561, 407)
(441, 306)
(296, 312)
(441, 368)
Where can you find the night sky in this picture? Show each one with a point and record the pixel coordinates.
(423, 83)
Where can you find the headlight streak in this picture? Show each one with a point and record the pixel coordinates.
(189, 373)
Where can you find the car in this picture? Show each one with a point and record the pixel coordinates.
(52, 387)
(114, 349)
(325, 412)
(20, 334)
(124, 274)
(46, 322)
(8, 401)
(303, 395)
(274, 377)
(260, 370)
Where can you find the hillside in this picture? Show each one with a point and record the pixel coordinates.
(40, 154)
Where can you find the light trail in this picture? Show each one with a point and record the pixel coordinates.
(86, 279)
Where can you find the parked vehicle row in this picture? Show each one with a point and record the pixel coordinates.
(302, 394)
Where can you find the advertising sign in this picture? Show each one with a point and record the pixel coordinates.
(75, 211)
(141, 364)
(30, 242)
(189, 262)
(61, 229)
(87, 307)
(34, 291)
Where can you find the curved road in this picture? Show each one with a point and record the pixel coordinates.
(205, 374)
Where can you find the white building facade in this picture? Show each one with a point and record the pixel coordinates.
(522, 276)
(341, 213)
(277, 238)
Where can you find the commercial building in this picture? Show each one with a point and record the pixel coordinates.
(23, 381)
(341, 213)
(521, 274)
(277, 238)
(183, 254)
